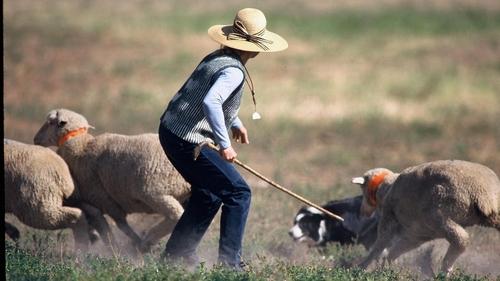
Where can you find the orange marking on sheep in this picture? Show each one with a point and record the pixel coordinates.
(373, 186)
(71, 134)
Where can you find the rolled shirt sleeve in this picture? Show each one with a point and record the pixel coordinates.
(229, 79)
(237, 123)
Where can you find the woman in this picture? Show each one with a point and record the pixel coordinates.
(205, 108)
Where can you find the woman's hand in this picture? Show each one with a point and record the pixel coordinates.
(228, 154)
(240, 134)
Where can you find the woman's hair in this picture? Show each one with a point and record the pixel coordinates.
(223, 47)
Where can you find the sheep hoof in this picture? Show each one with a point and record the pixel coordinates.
(346, 264)
(14, 234)
(145, 247)
(94, 236)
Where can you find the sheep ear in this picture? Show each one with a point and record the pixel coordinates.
(52, 115)
(358, 180)
(91, 127)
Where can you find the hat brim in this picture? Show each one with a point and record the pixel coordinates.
(219, 34)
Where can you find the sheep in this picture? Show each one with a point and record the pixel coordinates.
(37, 186)
(428, 201)
(119, 174)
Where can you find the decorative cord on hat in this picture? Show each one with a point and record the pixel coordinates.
(240, 33)
(255, 114)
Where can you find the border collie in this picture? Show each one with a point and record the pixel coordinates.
(313, 227)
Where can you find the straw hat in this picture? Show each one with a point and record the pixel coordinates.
(248, 33)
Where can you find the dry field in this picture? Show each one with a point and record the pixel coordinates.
(388, 83)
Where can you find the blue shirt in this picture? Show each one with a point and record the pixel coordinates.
(229, 79)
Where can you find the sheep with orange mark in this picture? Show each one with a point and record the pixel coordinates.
(118, 174)
(429, 201)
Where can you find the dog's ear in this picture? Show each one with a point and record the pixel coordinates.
(315, 211)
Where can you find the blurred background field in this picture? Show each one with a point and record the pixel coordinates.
(364, 84)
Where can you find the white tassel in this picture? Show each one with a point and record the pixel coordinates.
(256, 116)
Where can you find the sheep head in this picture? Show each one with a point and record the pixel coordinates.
(59, 126)
(370, 183)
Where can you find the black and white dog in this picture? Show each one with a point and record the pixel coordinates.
(313, 227)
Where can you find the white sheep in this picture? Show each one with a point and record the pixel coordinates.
(37, 186)
(118, 174)
(432, 200)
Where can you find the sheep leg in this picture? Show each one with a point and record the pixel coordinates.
(121, 222)
(12, 231)
(458, 239)
(401, 246)
(404, 245)
(387, 229)
(367, 233)
(377, 249)
(51, 218)
(117, 213)
(74, 219)
(172, 210)
(97, 221)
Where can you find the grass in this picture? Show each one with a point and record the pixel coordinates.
(24, 265)
(403, 21)
(362, 85)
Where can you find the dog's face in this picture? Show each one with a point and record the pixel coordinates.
(314, 228)
(309, 226)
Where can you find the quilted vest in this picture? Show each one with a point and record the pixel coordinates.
(184, 115)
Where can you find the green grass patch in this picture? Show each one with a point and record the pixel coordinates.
(22, 265)
(172, 69)
(346, 23)
(402, 21)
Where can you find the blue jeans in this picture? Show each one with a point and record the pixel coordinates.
(214, 182)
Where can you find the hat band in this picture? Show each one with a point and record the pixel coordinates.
(240, 33)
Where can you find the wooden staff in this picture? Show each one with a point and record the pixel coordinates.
(272, 183)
